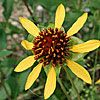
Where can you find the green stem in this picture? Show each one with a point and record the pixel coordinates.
(63, 88)
(3, 84)
(95, 62)
(80, 3)
(30, 12)
(73, 85)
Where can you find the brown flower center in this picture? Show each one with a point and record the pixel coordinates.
(51, 46)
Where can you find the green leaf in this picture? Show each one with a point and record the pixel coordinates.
(17, 82)
(7, 71)
(76, 56)
(76, 40)
(3, 39)
(41, 27)
(14, 86)
(53, 97)
(3, 94)
(5, 53)
(30, 38)
(46, 68)
(10, 28)
(94, 4)
(21, 79)
(71, 17)
(8, 8)
(50, 5)
(79, 85)
(51, 25)
(8, 62)
(57, 69)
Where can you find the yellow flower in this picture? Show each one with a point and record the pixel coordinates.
(52, 45)
(97, 82)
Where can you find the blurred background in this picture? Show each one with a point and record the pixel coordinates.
(42, 12)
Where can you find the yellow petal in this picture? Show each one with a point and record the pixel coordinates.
(27, 45)
(86, 46)
(25, 64)
(77, 25)
(29, 26)
(33, 76)
(50, 83)
(79, 71)
(60, 15)
(97, 82)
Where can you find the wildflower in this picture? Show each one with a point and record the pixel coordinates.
(53, 46)
(97, 82)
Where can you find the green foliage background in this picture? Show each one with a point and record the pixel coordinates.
(11, 53)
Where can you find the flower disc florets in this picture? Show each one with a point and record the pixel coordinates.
(51, 46)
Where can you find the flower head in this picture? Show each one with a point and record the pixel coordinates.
(53, 46)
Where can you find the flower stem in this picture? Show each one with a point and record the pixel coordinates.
(73, 85)
(3, 84)
(80, 4)
(63, 88)
(95, 63)
(29, 10)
